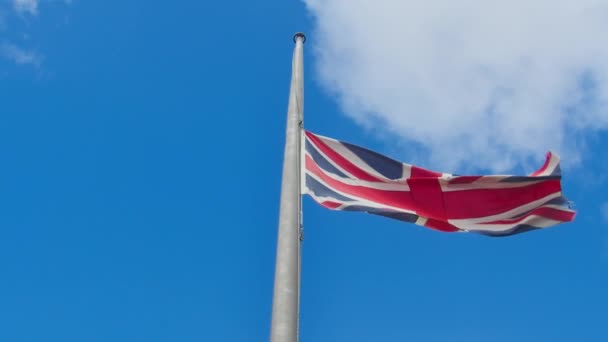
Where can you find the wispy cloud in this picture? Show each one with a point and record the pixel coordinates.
(19, 55)
(11, 47)
(26, 6)
(476, 83)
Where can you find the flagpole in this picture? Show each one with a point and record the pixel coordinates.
(286, 298)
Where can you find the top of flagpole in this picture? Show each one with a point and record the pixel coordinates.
(301, 35)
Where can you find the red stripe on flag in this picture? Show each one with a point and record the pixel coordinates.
(428, 197)
(330, 204)
(420, 172)
(476, 203)
(339, 159)
(546, 212)
(397, 199)
(544, 167)
(464, 179)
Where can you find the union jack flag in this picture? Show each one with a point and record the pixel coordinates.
(342, 176)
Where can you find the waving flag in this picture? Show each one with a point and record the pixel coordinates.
(342, 176)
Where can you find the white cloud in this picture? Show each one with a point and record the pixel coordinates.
(477, 83)
(20, 56)
(26, 6)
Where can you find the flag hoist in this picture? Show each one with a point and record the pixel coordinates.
(286, 298)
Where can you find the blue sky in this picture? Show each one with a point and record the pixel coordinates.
(141, 149)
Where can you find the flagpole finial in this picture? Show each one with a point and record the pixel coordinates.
(299, 34)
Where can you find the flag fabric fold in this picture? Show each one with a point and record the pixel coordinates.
(342, 176)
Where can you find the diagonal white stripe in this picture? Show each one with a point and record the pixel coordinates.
(356, 199)
(329, 160)
(462, 223)
(388, 186)
(490, 182)
(533, 220)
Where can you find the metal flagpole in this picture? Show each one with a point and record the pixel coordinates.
(285, 303)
